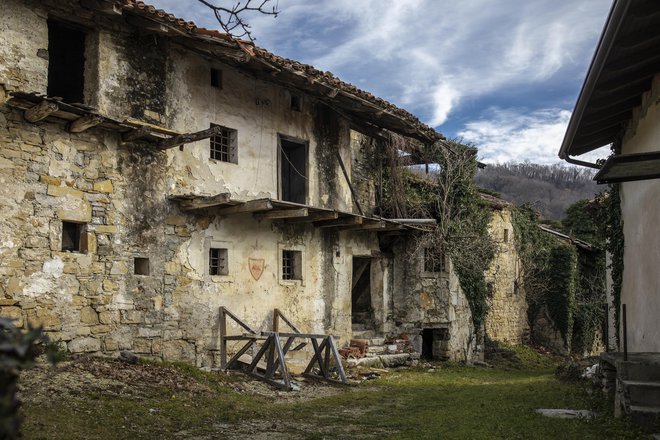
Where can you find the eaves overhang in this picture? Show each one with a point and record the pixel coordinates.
(621, 71)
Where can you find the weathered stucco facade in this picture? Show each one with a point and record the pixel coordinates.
(640, 288)
(140, 277)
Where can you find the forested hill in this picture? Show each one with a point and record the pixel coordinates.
(549, 188)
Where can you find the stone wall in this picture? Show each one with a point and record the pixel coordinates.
(507, 314)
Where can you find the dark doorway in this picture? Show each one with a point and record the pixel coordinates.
(362, 311)
(66, 62)
(427, 343)
(293, 171)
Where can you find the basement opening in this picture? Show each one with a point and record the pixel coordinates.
(141, 266)
(66, 62)
(433, 343)
(293, 171)
(362, 309)
(71, 233)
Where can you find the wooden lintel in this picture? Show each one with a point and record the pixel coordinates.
(40, 111)
(83, 123)
(204, 202)
(187, 138)
(344, 221)
(316, 216)
(251, 206)
(135, 134)
(282, 213)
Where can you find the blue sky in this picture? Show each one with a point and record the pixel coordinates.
(502, 74)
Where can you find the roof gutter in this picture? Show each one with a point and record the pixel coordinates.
(612, 26)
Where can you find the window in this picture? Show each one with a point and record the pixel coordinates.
(506, 236)
(66, 62)
(141, 266)
(216, 78)
(293, 171)
(218, 262)
(291, 265)
(296, 102)
(433, 261)
(71, 236)
(223, 145)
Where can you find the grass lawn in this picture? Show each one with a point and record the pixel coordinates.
(103, 399)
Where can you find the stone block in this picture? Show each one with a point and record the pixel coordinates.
(119, 268)
(148, 332)
(109, 317)
(110, 286)
(172, 268)
(110, 344)
(86, 344)
(175, 220)
(100, 329)
(50, 180)
(131, 317)
(179, 350)
(79, 211)
(13, 313)
(89, 316)
(104, 186)
(106, 229)
(64, 191)
(142, 345)
(45, 318)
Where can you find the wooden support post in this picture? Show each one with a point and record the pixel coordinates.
(187, 138)
(223, 335)
(83, 123)
(348, 181)
(40, 111)
(238, 354)
(260, 353)
(335, 354)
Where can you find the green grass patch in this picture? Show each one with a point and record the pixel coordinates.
(448, 402)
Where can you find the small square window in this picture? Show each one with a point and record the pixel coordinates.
(141, 266)
(433, 261)
(291, 265)
(296, 102)
(216, 78)
(223, 145)
(218, 262)
(71, 236)
(506, 236)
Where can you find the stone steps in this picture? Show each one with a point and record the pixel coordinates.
(642, 393)
(645, 415)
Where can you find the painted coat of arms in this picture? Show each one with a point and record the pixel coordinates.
(256, 267)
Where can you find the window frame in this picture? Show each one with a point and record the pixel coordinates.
(231, 144)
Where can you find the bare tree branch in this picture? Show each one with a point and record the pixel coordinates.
(231, 18)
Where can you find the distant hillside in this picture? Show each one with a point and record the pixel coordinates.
(549, 188)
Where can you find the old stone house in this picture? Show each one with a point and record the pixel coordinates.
(153, 171)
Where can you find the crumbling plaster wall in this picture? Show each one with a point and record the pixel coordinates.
(507, 313)
(640, 289)
(92, 301)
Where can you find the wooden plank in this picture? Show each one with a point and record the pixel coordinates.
(85, 122)
(225, 311)
(204, 201)
(40, 111)
(282, 213)
(358, 274)
(282, 364)
(344, 221)
(259, 355)
(238, 354)
(223, 340)
(251, 206)
(187, 138)
(316, 216)
(337, 358)
(153, 127)
(279, 314)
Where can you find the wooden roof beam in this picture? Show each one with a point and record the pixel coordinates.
(85, 122)
(203, 202)
(187, 138)
(251, 206)
(282, 214)
(315, 217)
(40, 111)
(343, 221)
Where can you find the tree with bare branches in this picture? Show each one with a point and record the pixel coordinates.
(231, 18)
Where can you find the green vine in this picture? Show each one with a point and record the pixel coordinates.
(614, 246)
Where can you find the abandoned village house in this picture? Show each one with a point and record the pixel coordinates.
(152, 172)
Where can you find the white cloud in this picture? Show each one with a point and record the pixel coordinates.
(518, 136)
